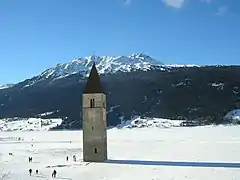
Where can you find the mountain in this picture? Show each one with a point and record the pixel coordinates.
(104, 64)
(135, 85)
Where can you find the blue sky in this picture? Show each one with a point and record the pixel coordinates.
(35, 35)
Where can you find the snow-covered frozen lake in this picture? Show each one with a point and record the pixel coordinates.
(199, 153)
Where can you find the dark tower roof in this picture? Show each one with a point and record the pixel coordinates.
(94, 83)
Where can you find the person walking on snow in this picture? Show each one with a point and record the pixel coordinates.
(54, 173)
(30, 172)
(74, 158)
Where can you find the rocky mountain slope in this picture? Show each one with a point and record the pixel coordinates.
(135, 85)
(105, 64)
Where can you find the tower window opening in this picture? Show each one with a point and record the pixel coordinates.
(95, 150)
(92, 103)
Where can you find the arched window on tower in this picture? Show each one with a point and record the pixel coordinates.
(92, 103)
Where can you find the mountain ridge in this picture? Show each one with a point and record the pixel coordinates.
(104, 64)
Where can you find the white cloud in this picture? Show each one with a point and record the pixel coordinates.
(222, 11)
(174, 3)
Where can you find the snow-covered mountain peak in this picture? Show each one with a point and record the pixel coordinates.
(139, 55)
(104, 64)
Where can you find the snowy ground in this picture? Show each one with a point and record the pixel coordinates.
(199, 153)
(139, 122)
(28, 124)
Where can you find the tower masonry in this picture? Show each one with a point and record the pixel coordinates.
(94, 119)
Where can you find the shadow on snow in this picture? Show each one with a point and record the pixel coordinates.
(175, 163)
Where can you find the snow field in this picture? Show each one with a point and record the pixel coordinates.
(141, 153)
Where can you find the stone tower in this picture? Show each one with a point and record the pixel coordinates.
(94, 120)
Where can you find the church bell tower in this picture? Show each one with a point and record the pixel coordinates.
(94, 119)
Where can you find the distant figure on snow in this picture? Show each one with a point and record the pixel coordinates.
(54, 173)
(30, 172)
(10, 154)
(67, 158)
(29, 159)
(37, 171)
(74, 158)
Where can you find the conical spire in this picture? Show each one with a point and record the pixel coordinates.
(94, 83)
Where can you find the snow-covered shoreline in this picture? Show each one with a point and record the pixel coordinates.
(28, 124)
(150, 123)
(44, 124)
